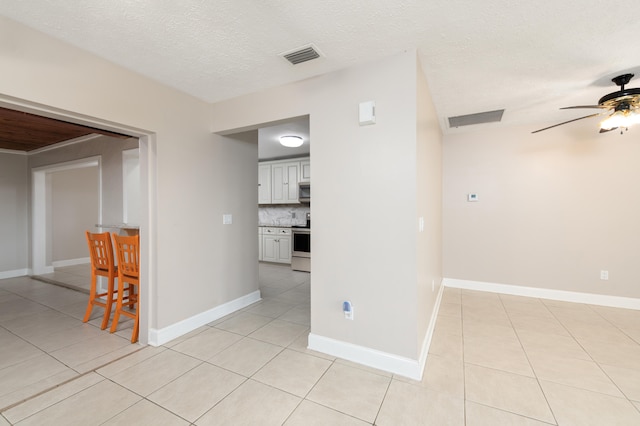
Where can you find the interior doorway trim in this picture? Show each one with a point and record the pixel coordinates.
(40, 226)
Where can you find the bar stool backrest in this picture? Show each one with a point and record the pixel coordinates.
(128, 252)
(101, 251)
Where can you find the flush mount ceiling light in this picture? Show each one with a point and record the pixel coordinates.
(291, 141)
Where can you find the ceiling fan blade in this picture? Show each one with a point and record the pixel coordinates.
(570, 121)
(607, 130)
(585, 106)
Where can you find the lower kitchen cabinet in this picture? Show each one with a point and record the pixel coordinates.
(276, 245)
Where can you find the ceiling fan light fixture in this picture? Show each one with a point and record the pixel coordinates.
(623, 118)
(291, 141)
(623, 106)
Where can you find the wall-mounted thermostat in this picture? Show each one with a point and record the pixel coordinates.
(472, 197)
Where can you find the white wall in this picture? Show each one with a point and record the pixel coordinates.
(364, 197)
(75, 208)
(429, 208)
(13, 215)
(192, 263)
(555, 208)
(131, 186)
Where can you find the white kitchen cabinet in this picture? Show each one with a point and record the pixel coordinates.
(276, 245)
(264, 183)
(284, 249)
(278, 180)
(260, 243)
(284, 182)
(305, 171)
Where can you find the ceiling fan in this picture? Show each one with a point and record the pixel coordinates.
(623, 106)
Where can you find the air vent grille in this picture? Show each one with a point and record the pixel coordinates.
(300, 55)
(479, 118)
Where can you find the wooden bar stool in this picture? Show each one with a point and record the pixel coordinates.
(128, 254)
(102, 264)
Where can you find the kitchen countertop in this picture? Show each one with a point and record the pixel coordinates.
(118, 226)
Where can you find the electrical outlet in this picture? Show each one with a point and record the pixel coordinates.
(347, 308)
(293, 215)
(604, 275)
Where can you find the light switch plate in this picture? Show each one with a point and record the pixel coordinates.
(227, 219)
(472, 197)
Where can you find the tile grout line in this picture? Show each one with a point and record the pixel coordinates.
(464, 369)
(59, 284)
(598, 363)
(247, 378)
(590, 356)
(94, 369)
(80, 375)
(524, 351)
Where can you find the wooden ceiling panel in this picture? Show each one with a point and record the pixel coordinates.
(22, 131)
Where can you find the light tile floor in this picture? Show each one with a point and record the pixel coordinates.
(76, 277)
(494, 360)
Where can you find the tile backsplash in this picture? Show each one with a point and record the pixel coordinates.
(282, 215)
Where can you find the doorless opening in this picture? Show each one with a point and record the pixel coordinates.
(42, 258)
(147, 190)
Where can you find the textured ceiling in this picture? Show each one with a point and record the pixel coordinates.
(529, 58)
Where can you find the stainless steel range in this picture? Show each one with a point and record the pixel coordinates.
(301, 246)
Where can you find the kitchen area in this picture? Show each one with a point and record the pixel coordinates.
(284, 195)
(284, 230)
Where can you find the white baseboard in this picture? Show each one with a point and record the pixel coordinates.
(384, 361)
(14, 273)
(545, 293)
(366, 356)
(71, 262)
(161, 336)
(426, 343)
(44, 270)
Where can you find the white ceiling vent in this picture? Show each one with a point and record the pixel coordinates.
(479, 118)
(301, 54)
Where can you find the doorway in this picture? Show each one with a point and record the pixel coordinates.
(285, 288)
(44, 228)
(147, 189)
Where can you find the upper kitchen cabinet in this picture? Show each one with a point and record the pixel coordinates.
(278, 180)
(305, 171)
(284, 183)
(264, 183)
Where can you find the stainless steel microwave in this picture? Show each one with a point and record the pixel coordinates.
(304, 192)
